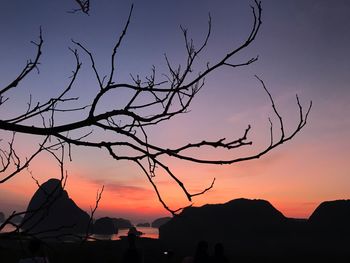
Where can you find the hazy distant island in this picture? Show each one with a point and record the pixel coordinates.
(2, 217)
(122, 223)
(143, 225)
(250, 230)
(160, 221)
(16, 219)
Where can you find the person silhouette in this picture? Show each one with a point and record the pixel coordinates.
(36, 254)
(134, 231)
(219, 255)
(201, 255)
(132, 254)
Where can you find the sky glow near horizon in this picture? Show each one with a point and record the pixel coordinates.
(303, 49)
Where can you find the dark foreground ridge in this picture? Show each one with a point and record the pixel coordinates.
(254, 231)
(246, 219)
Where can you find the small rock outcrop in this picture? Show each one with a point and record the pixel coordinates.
(122, 223)
(160, 221)
(51, 211)
(105, 226)
(143, 225)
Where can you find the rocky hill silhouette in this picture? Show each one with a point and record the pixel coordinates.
(51, 211)
(239, 218)
(160, 221)
(105, 226)
(110, 225)
(332, 217)
(122, 223)
(257, 232)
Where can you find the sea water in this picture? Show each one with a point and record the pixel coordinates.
(148, 232)
(7, 228)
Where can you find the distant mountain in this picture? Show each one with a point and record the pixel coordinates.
(239, 218)
(160, 221)
(122, 223)
(2, 217)
(105, 226)
(331, 216)
(16, 219)
(143, 225)
(51, 209)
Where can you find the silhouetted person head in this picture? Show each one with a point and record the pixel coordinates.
(201, 255)
(219, 254)
(133, 230)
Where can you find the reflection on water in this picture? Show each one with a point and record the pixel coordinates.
(149, 232)
(7, 228)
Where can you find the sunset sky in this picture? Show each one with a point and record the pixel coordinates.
(303, 49)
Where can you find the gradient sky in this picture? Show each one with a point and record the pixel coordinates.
(303, 49)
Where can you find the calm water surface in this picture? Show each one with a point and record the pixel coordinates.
(149, 232)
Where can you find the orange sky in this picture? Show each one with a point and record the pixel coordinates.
(295, 178)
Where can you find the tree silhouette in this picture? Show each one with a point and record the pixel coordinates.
(152, 101)
(84, 6)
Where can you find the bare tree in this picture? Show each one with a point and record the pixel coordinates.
(27, 228)
(84, 6)
(57, 152)
(129, 123)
